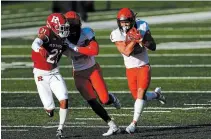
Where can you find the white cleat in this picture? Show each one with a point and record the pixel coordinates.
(116, 102)
(161, 97)
(131, 128)
(112, 131)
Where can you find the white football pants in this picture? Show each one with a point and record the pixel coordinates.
(49, 84)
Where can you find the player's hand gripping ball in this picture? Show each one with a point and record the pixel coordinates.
(133, 35)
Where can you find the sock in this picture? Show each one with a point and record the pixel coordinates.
(151, 95)
(138, 108)
(62, 117)
(99, 110)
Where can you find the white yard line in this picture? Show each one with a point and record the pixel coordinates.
(160, 19)
(14, 130)
(115, 92)
(111, 108)
(168, 36)
(69, 123)
(121, 78)
(160, 46)
(119, 55)
(26, 126)
(181, 29)
(185, 104)
(88, 119)
(25, 65)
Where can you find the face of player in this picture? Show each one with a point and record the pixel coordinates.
(125, 25)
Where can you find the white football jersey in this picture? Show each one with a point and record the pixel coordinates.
(139, 56)
(81, 61)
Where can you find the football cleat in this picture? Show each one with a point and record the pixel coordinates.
(116, 102)
(112, 131)
(50, 113)
(59, 134)
(131, 128)
(161, 98)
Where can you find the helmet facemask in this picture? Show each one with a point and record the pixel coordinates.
(63, 30)
(126, 28)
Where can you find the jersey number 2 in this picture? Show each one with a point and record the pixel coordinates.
(53, 57)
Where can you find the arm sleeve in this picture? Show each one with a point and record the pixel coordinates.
(36, 44)
(91, 49)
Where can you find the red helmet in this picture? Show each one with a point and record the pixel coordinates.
(126, 14)
(74, 21)
(58, 24)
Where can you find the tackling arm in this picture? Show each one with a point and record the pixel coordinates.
(91, 49)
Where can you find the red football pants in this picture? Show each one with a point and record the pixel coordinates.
(138, 78)
(90, 81)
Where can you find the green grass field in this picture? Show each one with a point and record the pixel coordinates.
(183, 74)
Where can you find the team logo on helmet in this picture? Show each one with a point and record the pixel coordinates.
(58, 24)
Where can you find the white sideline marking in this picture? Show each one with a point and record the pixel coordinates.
(25, 126)
(111, 108)
(197, 104)
(115, 92)
(122, 78)
(14, 130)
(119, 55)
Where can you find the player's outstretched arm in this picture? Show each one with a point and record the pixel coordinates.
(91, 49)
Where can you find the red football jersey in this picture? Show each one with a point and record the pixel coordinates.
(54, 47)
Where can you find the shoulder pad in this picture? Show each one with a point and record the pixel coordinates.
(89, 33)
(116, 35)
(142, 26)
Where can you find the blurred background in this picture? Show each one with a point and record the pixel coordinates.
(181, 66)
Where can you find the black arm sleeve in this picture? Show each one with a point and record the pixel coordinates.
(149, 42)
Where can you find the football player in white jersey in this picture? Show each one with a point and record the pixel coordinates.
(47, 51)
(86, 72)
(132, 39)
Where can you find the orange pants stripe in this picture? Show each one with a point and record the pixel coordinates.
(138, 78)
(90, 81)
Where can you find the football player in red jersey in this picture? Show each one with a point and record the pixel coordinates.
(47, 51)
(132, 39)
(86, 72)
